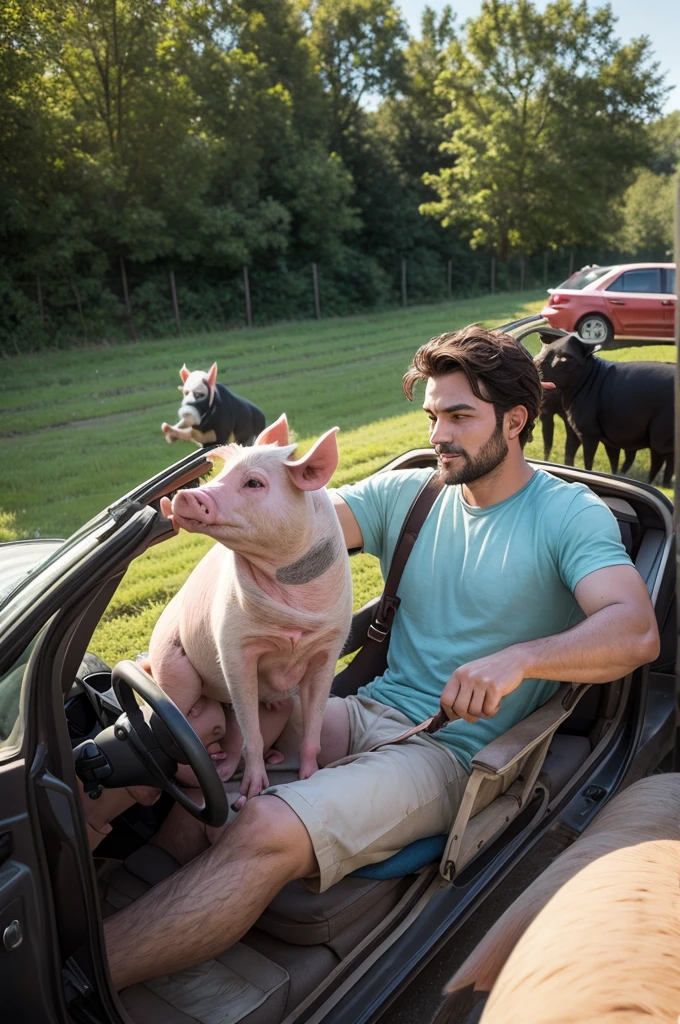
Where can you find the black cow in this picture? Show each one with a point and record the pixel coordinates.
(624, 405)
(211, 412)
(553, 406)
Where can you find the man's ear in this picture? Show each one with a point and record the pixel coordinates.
(184, 373)
(516, 420)
(314, 470)
(275, 433)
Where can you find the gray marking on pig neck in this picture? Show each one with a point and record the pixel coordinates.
(313, 564)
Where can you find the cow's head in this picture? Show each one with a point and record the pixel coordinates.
(562, 362)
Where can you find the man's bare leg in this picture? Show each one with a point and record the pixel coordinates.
(212, 902)
(209, 904)
(182, 835)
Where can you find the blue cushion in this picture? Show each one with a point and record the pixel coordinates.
(412, 858)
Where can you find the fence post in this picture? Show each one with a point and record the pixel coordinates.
(521, 271)
(571, 262)
(76, 293)
(175, 303)
(246, 289)
(545, 267)
(315, 282)
(126, 297)
(449, 276)
(404, 297)
(40, 300)
(493, 275)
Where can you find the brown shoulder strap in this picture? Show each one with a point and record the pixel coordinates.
(416, 516)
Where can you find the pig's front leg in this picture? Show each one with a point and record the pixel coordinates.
(314, 690)
(243, 691)
(177, 433)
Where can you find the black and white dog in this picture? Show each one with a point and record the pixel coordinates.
(211, 412)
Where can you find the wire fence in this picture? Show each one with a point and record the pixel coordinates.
(135, 302)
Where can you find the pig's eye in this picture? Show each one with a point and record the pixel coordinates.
(254, 483)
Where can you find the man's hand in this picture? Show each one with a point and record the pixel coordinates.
(475, 690)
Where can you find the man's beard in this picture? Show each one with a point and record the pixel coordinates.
(488, 458)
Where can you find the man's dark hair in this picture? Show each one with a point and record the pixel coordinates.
(498, 368)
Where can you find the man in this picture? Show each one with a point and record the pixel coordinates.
(516, 579)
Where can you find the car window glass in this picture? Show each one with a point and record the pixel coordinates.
(670, 281)
(583, 277)
(11, 683)
(648, 280)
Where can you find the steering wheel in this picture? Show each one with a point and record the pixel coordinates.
(167, 739)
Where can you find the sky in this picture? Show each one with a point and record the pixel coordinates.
(658, 19)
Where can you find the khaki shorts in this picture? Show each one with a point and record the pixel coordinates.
(371, 804)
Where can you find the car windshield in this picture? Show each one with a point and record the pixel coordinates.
(584, 277)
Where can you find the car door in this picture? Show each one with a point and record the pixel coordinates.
(669, 302)
(52, 957)
(636, 304)
(27, 978)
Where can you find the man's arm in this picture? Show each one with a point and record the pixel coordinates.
(618, 634)
(348, 523)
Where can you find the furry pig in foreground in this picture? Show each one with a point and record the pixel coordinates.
(266, 612)
(596, 937)
(211, 412)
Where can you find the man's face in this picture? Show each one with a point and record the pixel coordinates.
(463, 430)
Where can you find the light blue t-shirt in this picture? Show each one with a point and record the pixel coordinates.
(477, 581)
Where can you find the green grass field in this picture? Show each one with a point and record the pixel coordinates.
(79, 428)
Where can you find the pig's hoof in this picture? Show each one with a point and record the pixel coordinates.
(254, 781)
(274, 757)
(307, 768)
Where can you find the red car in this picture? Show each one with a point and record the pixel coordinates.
(631, 302)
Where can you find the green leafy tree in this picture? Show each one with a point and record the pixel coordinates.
(358, 45)
(649, 203)
(396, 145)
(648, 215)
(414, 121)
(547, 120)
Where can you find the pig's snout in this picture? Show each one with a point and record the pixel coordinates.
(195, 505)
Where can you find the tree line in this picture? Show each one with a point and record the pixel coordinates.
(153, 147)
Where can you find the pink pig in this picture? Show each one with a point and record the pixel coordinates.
(265, 613)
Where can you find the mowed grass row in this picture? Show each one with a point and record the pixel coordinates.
(345, 372)
(56, 388)
(74, 450)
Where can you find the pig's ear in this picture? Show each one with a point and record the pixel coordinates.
(275, 433)
(210, 379)
(314, 470)
(184, 373)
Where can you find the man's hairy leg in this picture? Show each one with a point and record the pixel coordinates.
(210, 903)
(182, 835)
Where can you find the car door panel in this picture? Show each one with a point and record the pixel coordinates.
(26, 971)
(46, 881)
(669, 303)
(638, 314)
(635, 303)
